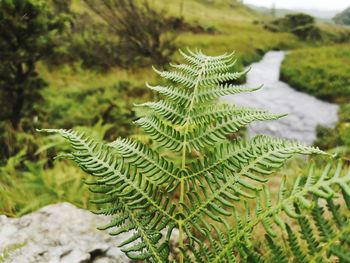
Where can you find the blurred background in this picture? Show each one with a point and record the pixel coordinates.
(84, 63)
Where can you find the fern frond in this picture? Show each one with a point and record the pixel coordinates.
(176, 77)
(296, 249)
(125, 192)
(272, 152)
(148, 162)
(324, 243)
(278, 255)
(221, 77)
(192, 59)
(237, 173)
(289, 203)
(219, 63)
(212, 93)
(174, 94)
(166, 135)
(148, 195)
(166, 110)
(207, 114)
(207, 136)
(187, 69)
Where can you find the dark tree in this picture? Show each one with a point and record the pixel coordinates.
(143, 31)
(27, 33)
(301, 25)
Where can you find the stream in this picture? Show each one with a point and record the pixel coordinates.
(305, 112)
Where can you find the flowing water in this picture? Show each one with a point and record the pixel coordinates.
(305, 112)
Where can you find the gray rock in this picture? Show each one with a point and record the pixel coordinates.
(59, 233)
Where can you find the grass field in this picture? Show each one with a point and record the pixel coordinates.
(235, 30)
(324, 73)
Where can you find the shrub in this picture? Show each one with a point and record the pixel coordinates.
(143, 32)
(28, 30)
(27, 34)
(96, 49)
(339, 136)
(301, 25)
(32, 187)
(86, 42)
(150, 194)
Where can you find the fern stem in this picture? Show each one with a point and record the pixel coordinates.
(273, 210)
(329, 243)
(183, 159)
(182, 193)
(144, 234)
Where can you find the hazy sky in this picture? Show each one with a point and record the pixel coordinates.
(305, 4)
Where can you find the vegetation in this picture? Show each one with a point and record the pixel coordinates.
(324, 73)
(138, 185)
(142, 31)
(343, 18)
(301, 25)
(8, 251)
(305, 28)
(91, 83)
(27, 36)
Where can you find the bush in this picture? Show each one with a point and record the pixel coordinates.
(95, 49)
(31, 187)
(27, 35)
(143, 32)
(86, 42)
(329, 138)
(301, 25)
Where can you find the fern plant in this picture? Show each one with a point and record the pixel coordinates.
(201, 192)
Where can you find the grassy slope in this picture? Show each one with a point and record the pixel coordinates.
(236, 26)
(324, 73)
(236, 32)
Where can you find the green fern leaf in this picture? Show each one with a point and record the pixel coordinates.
(165, 134)
(126, 196)
(200, 192)
(271, 211)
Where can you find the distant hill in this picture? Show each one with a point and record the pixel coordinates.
(205, 12)
(343, 18)
(321, 15)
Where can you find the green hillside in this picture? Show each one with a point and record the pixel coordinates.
(324, 73)
(234, 28)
